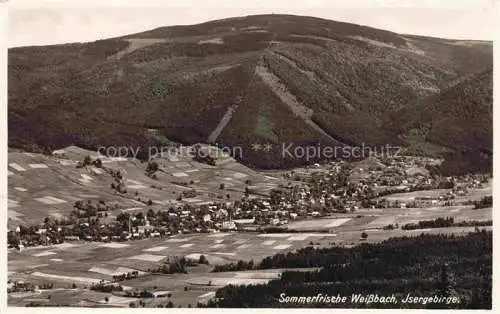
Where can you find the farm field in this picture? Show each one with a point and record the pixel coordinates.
(477, 194)
(42, 186)
(471, 195)
(364, 219)
(410, 196)
(84, 263)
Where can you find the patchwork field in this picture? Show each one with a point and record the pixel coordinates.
(410, 196)
(85, 263)
(42, 186)
(471, 195)
(378, 218)
(477, 194)
(37, 191)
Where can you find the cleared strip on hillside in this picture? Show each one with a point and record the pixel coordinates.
(135, 44)
(289, 99)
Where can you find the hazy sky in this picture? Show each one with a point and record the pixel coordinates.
(41, 22)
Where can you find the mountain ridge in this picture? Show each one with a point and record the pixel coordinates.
(183, 80)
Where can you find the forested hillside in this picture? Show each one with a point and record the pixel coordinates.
(426, 265)
(256, 79)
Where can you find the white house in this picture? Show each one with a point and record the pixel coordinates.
(229, 225)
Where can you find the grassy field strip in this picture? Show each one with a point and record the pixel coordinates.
(282, 246)
(148, 257)
(38, 166)
(177, 240)
(120, 301)
(65, 245)
(258, 275)
(239, 175)
(420, 230)
(194, 256)
(134, 182)
(86, 177)
(412, 213)
(244, 246)
(269, 242)
(183, 164)
(19, 295)
(298, 238)
(114, 245)
(275, 235)
(46, 253)
(217, 246)
(225, 253)
(315, 224)
(136, 186)
(156, 249)
(132, 209)
(68, 162)
(96, 170)
(227, 281)
(207, 295)
(193, 200)
(321, 235)
(66, 278)
(16, 167)
(219, 235)
(50, 200)
(337, 222)
(12, 214)
(103, 271)
(110, 272)
(12, 203)
(383, 221)
(180, 174)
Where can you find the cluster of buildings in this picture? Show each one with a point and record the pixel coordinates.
(20, 286)
(317, 191)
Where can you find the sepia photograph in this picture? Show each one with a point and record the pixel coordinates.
(249, 154)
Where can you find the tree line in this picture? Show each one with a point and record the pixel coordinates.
(423, 265)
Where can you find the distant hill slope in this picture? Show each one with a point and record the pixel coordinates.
(460, 118)
(58, 176)
(240, 81)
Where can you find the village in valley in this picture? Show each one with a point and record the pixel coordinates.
(249, 157)
(85, 229)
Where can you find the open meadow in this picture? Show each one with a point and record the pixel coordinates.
(43, 186)
(46, 186)
(84, 263)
